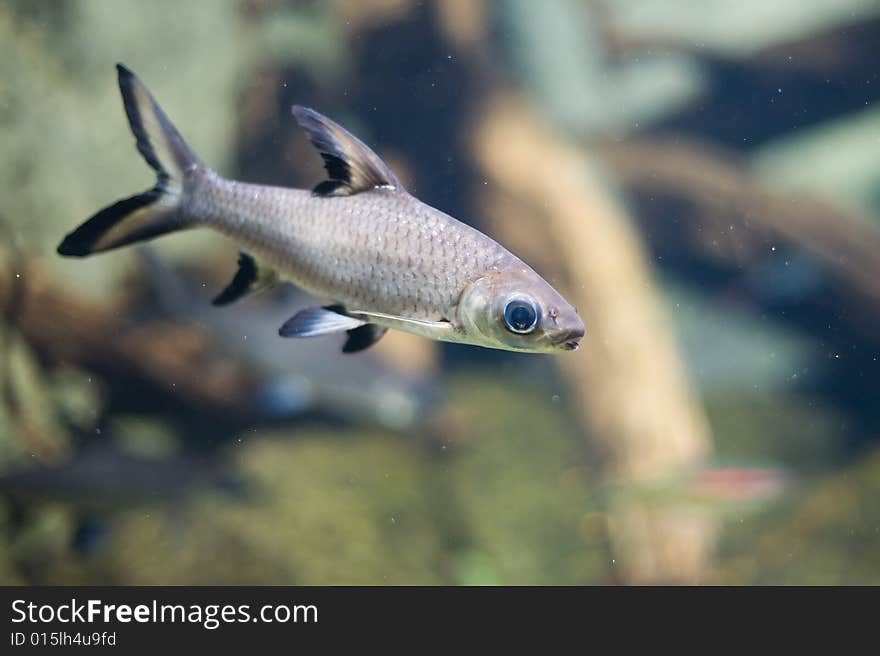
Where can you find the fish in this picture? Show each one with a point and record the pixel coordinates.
(381, 258)
(100, 478)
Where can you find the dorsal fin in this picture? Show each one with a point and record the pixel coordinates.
(351, 165)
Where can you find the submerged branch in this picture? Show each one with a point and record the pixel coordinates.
(162, 364)
(723, 213)
(628, 377)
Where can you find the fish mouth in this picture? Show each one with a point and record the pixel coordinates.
(570, 341)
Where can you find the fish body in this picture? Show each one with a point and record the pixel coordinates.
(380, 249)
(381, 257)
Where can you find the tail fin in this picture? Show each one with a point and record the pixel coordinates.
(157, 210)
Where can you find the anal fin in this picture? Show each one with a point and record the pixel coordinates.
(251, 277)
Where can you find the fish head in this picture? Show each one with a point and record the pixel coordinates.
(515, 309)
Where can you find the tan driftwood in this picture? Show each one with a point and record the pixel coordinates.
(544, 200)
(733, 218)
(172, 362)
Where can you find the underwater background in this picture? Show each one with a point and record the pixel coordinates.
(702, 180)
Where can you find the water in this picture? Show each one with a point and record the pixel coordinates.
(704, 185)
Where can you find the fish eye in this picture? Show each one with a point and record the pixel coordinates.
(521, 315)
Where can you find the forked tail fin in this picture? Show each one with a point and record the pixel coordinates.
(158, 210)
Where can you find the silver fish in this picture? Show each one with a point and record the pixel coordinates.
(382, 257)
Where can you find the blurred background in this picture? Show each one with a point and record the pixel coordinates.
(702, 180)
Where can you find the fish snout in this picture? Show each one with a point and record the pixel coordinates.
(569, 338)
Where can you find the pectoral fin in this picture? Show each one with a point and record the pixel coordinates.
(404, 323)
(364, 328)
(439, 330)
(251, 277)
(313, 322)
